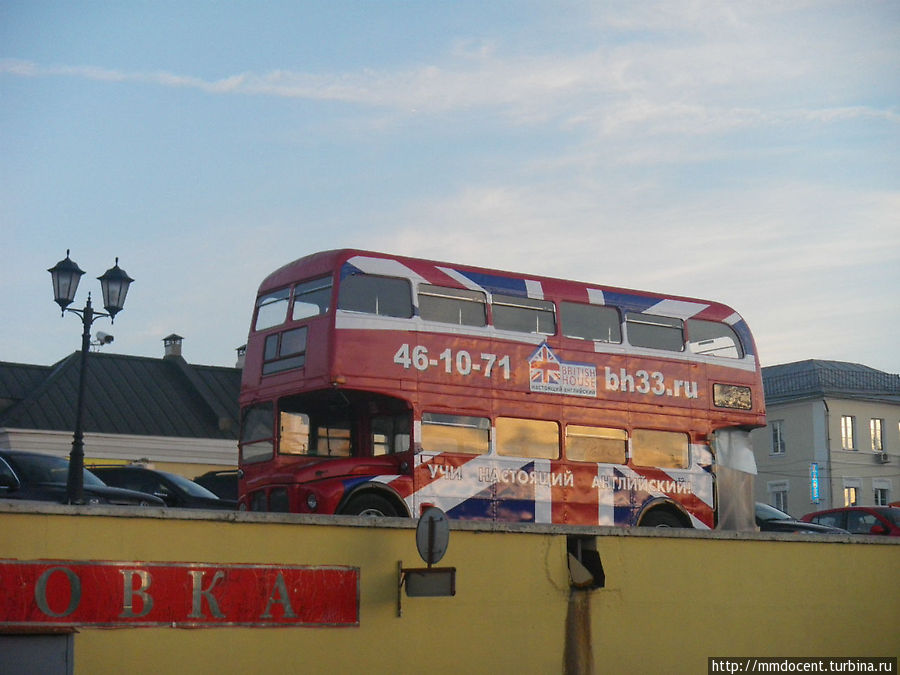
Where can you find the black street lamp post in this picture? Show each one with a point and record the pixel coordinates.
(114, 284)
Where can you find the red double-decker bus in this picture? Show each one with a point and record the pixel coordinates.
(381, 385)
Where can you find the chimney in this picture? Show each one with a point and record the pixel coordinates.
(241, 355)
(172, 345)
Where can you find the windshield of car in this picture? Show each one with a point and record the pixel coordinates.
(765, 512)
(189, 486)
(48, 469)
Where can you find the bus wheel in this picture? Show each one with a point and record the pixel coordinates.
(369, 505)
(661, 518)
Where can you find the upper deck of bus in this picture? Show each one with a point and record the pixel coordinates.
(341, 263)
(513, 283)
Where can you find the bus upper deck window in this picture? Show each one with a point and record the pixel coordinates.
(524, 315)
(590, 322)
(272, 309)
(311, 298)
(385, 296)
(652, 330)
(713, 338)
(452, 305)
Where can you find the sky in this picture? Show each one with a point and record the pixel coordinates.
(743, 152)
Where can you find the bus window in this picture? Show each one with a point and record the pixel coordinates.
(596, 444)
(527, 438)
(256, 434)
(651, 330)
(311, 298)
(385, 296)
(524, 315)
(590, 322)
(333, 441)
(271, 309)
(452, 305)
(285, 350)
(390, 434)
(713, 339)
(455, 434)
(663, 449)
(294, 436)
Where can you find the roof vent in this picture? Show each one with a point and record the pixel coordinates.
(172, 345)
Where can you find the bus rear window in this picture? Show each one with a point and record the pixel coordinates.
(712, 338)
(452, 305)
(524, 315)
(663, 449)
(652, 330)
(527, 438)
(596, 444)
(590, 322)
(456, 434)
(385, 296)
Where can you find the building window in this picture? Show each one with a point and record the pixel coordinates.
(777, 437)
(852, 488)
(882, 487)
(875, 427)
(778, 494)
(848, 432)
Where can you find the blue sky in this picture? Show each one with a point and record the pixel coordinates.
(742, 152)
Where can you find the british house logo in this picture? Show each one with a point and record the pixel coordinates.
(548, 375)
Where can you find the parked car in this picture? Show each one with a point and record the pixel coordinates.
(32, 475)
(223, 483)
(770, 519)
(173, 489)
(881, 520)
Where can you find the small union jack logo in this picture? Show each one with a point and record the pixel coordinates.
(544, 366)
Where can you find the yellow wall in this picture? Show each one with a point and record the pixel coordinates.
(671, 599)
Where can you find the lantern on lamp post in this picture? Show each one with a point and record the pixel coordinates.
(114, 285)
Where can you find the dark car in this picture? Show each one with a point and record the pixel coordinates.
(173, 489)
(31, 475)
(770, 519)
(881, 520)
(224, 483)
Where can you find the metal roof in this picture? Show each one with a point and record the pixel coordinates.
(815, 378)
(123, 395)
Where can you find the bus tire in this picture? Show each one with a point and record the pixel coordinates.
(369, 505)
(661, 518)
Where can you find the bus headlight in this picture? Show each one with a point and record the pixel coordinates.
(311, 501)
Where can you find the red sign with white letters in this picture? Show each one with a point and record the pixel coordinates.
(60, 593)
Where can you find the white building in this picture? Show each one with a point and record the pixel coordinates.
(832, 437)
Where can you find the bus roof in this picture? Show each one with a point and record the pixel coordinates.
(324, 262)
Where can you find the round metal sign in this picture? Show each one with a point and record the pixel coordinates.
(432, 535)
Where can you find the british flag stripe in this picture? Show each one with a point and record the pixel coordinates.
(543, 494)
(385, 267)
(606, 512)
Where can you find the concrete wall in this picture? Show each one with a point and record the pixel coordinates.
(671, 598)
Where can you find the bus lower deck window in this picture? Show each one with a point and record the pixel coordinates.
(527, 438)
(596, 444)
(455, 434)
(664, 449)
